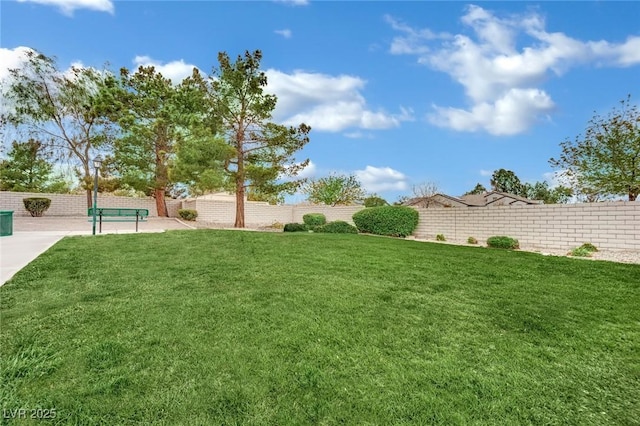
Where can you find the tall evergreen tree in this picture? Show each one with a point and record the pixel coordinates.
(240, 112)
(26, 168)
(150, 110)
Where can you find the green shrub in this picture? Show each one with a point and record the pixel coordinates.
(394, 221)
(580, 252)
(375, 202)
(440, 237)
(314, 219)
(503, 242)
(188, 214)
(589, 247)
(36, 206)
(337, 227)
(472, 240)
(295, 227)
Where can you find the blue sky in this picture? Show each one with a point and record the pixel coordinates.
(397, 93)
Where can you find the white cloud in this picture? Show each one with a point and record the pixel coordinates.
(378, 179)
(358, 135)
(286, 33)
(513, 113)
(484, 172)
(176, 71)
(500, 79)
(67, 7)
(329, 103)
(11, 59)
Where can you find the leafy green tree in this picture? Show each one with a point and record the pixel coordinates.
(199, 163)
(153, 115)
(257, 194)
(375, 201)
(542, 191)
(26, 168)
(504, 180)
(63, 110)
(478, 189)
(335, 190)
(606, 160)
(238, 110)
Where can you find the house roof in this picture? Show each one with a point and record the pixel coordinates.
(474, 200)
(417, 200)
(515, 197)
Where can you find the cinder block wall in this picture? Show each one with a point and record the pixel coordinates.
(614, 225)
(262, 214)
(255, 214)
(332, 213)
(76, 205)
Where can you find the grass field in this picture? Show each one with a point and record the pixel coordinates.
(221, 327)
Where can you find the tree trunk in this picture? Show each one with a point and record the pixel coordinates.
(161, 173)
(161, 203)
(239, 204)
(240, 194)
(632, 196)
(89, 182)
(240, 177)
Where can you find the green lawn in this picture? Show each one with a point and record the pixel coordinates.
(221, 327)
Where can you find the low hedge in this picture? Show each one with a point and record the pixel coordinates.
(188, 214)
(36, 206)
(394, 221)
(503, 242)
(295, 227)
(314, 219)
(337, 227)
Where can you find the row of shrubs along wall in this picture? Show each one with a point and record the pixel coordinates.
(76, 205)
(262, 214)
(611, 225)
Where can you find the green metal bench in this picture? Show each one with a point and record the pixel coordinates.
(108, 214)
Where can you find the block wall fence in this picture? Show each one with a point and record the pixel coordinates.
(612, 225)
(76, 205)
(262, 214)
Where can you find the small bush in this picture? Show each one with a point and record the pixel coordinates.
(295, 227)
(314, 219)
(36, 206)
(440, 237)
(188, 214)
(580, 252)
(589, 247)
(337, 227)
(277, 225)
(393, 221)
(472, 240)
(503, 242)
(375, 202)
